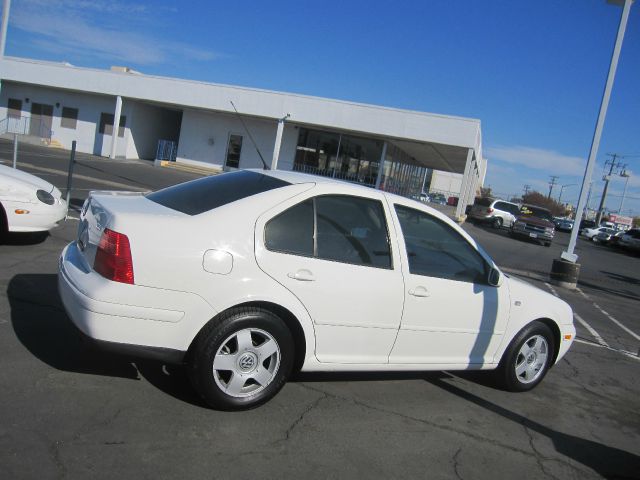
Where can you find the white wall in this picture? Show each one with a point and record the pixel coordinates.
(89, 109)
(446, 182)
(200, 128)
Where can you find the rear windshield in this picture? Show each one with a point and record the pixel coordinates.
(484, 202)
(207, 193)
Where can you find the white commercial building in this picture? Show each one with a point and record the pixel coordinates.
(195, 123)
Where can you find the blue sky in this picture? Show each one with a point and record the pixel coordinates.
(532, 71)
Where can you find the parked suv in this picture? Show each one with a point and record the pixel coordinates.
(535, 223)
(499, 213)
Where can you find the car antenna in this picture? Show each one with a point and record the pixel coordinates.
(264, 164)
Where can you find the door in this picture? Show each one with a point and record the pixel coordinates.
(333, 253)
(451, 315)
(41, 115)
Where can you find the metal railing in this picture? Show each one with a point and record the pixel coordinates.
(167, 150)
(348, 177)
(26, 125)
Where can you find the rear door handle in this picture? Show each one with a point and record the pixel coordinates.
(303, 275)
(419, 292)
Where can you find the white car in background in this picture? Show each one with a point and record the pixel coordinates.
(592, 232)
(28, 203)
(248, 276)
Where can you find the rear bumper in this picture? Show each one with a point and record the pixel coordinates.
(138, 320)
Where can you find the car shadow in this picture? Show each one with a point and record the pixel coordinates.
(44, 329)
(608, 461)
(20, 238)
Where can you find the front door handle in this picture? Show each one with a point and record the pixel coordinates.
(419, 291)
(303, 275)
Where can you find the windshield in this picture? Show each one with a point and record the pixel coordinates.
(539, 212)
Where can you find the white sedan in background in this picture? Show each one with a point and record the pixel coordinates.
(28, 203)
(592, 232)
(248, 276)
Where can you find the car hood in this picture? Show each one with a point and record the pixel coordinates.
(540, 303)
(19, 177)
(535, 221)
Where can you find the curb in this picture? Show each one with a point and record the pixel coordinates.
(188, 168)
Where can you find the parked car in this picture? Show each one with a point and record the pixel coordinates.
(499, 213)
(438, 198)
(630, 240)
(587, 224)
(608, 239)
(592, 232)
(424, 197)
(28, 203)
(563, 224)
(259, 273)
(535, 223)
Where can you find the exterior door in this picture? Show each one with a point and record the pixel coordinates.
(41, 116)
(451, 315)
(333, 253)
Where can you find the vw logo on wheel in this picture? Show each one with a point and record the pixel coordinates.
(247, 361)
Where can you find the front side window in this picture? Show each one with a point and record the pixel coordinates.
(434, 249)
(339, 228)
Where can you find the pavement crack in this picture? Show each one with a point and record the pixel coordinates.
(456, 464)
(289, 431)
(54, 451)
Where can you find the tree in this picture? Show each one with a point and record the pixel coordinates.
(540, 200)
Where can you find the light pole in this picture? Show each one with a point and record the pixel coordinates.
(625, 173)
(564, 271)
(569, 254)
(562, 188)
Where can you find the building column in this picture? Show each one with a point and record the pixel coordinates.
(383, 156)
(465, 181)
(116, 126)
(278, 144)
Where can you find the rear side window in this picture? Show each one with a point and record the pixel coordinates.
(340, 228)
(207, 193)
(501, 206)
(292, 230)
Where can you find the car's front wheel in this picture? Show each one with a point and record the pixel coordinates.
(242, 359)
(528, 358)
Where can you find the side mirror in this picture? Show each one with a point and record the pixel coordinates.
(494, 278)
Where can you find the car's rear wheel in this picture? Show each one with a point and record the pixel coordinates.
(4, 224)
(528, 358)
(497, 222)
(241, 359)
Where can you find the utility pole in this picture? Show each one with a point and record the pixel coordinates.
(526, 190)
(552, 183)
(613, 164)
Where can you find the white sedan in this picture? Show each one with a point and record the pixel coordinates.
(592, 232)
(28, 203)
(248, 276)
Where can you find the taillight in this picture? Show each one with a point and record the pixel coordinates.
(113, 257)
(489, 210)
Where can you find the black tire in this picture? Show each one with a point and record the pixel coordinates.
(547, 244)
(513, 357)
(497, 223)
(217, 336)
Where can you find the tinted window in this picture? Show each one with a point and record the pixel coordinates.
(292, 230)
(352, 230)
(434, 249)
(536, 212)
(501, 206)
(484, 202)
(207, 193)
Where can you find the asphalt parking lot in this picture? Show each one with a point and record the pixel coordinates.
(69, 411)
